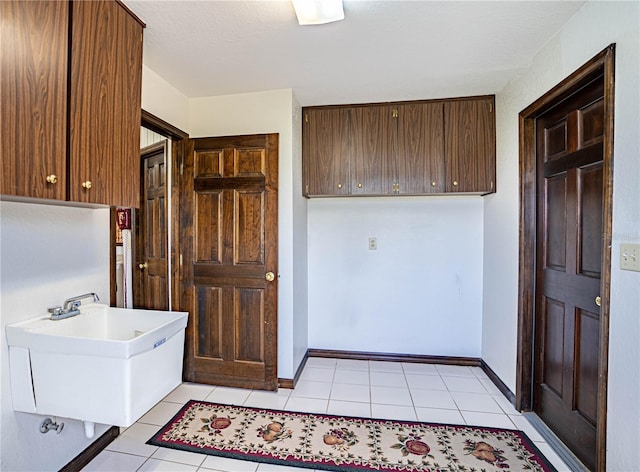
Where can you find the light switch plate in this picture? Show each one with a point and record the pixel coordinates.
(373, 244)
(630, 257)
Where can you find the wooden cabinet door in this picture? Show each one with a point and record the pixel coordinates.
(470, 145)
(372, 150)
(33, 93)
(326, 151)
(419, 146)
(104, 105)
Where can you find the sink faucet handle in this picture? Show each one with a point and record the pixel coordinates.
(55, 310)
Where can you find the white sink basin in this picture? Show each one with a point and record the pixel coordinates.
(105, 365)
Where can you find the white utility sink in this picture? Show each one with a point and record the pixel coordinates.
(105, 365)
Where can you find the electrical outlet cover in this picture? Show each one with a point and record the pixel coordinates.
(630, 257)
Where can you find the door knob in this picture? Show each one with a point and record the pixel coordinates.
(598, 300)
(87, 184)
(143, 266)
(269, 276)
(52, 179)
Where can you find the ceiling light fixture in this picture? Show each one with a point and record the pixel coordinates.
(318, 12)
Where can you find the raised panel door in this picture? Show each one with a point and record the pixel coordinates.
(326, 151)
(104, 104)
(470, 145)
(33, 93)
(228, 232)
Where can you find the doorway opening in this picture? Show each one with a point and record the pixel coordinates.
(153, 279)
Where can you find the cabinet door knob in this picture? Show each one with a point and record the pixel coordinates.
(52, 179)
(359, 185)
(455, 183)
(87, 184)
(433, 183)
(339, 185)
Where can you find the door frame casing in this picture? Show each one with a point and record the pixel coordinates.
(603, 64)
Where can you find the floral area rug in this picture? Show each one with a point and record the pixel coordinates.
(342, 443)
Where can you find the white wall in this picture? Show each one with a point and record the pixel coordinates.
(47, 254)
(258, 113)
(420, 292)
(594, 26)
(163, 100)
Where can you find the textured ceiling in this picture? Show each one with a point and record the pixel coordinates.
(382, 51)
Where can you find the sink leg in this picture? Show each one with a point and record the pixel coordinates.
(89, 429)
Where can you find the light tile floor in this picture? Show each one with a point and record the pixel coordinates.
(377, 389)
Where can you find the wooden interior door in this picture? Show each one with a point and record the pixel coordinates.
(569, 254)
(229, 246)
(151, 267)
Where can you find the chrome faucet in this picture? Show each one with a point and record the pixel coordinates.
(70, 307)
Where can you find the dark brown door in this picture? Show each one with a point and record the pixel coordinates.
(151, 263)
(569, 252)
(229, 243)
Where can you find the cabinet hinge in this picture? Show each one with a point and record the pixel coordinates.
(180, 260)
(306, 117)
(394, 113)
(181, 165)
(490, 107)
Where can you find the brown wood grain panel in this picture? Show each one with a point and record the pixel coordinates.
(249, 162)
(591, 220)
(33, 93)
(553, 318)
(326, 151)
(209, 163)
(555, 138)
(249, 223)
(586, 365)
(420, 148)
(208, 322)
(249, 315)
(372, 165)
(556, 229)
(104, 106)
(469, 127)
(592, 123)
(208, 227)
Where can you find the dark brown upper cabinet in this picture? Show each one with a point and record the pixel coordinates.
(470, 145)
(402, 148)
(325, 145)
(71, 108)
